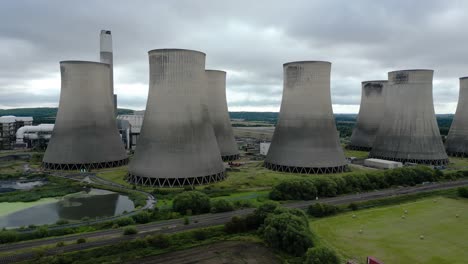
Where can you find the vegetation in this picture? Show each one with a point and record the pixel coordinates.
(130, 230)
(221, 205)
(321, 210)
(81, 240)
(393, 233)
(321, 255)
(191, 202)
(463, 192)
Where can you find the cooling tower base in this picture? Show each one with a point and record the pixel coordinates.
(359, 148)
(86, 166)
(175, 182)
(306, 170)
(437, 162)
(230, 157)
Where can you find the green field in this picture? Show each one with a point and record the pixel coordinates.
(393, 239)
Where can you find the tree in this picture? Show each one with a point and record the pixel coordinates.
(142, 217)
(221, 205)
(124, 221)
(287, 232)
(321, 209)
(321, 255)
(297, 189)
(8, 236)
(194, 201)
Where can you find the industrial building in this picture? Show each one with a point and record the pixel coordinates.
(8, 127)
(34, 136)
(219, 116)
(107, 56)
(177, 145)
(382, 164)
(457, 138)
(409, 131)
(370, 114)
(130, 128)
(85, 135)
(264, 147)
(306, 139)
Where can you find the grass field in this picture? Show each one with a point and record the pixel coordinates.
(392, 239)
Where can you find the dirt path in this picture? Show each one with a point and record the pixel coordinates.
(235, 252)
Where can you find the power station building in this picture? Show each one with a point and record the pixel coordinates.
(409, 131)
(177, 145)
(85, 134)
(219, 115)
(306, 139)
(457, 139)
(371, 113)
(9, 125)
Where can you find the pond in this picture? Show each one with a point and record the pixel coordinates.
(92, 203)
(10, 186)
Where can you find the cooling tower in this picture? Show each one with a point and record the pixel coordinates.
(371, 113)
(457, 139)
(217, 107)
(177, 145)
(305, 139)
(409, 131)
(108, 57)
(85, 134)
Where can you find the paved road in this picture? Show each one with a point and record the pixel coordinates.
(109, 237)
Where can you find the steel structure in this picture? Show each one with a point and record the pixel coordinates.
(106, 56)
(371, 113)
(305, 139)
(219, 115)
(408, 131)
(85, 134)
(457, 139)
(177, 145)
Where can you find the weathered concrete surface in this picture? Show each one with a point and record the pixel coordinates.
(219, 116)
(177, 145)
(85, 130)
(370, 115)
(457, 139)
(409, 131)
(306, 135)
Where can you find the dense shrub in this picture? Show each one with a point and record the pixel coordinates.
(194, 201)
(240, 204)
(221, 205)
(130, 230)
(325, 186)
(321, 209)
(159, 241)
(321, 255)
(61, 222)
(142, 217)
(287, 232)
(81, 240)
(125, 221)
(463, 192)
(297, 189)
(8, 236)
(41, 232)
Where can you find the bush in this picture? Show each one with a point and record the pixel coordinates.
(353, 206)
(159, 241)
(142, 217)
(61, 222)
(240, 204)
(325, 186)
(287, 232)
(221, 205)
(297, 189)
(130, 230)
(60, 244)
(321, 209)
(236, 225)
(8, 236)
(199, 234)
(125, 221)
(463, 192)
(321, 255)
(186, 220)
(41, 232)
(81, 240)
(194, 201)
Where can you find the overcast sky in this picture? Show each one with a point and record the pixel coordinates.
(248, 39)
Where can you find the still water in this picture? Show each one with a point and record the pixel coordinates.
(10, 186)
(91, 203)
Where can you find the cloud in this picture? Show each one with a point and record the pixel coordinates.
(364, 39)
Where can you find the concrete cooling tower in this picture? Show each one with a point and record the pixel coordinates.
(371, 113)
(85, 134)
(409, 131)
(177, 145)
(219, 115)
(457, 139)
(305, 139)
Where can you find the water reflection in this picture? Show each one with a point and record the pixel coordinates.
(92, 203)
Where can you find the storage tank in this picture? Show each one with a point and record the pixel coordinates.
(305, 138)
(219, 115)
(409, 131)
(85, 134)
(457, 139)
(177, 145)
(371, 113)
